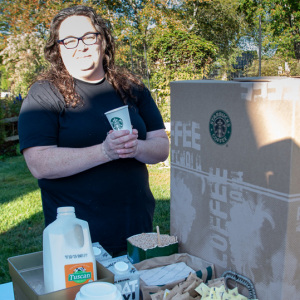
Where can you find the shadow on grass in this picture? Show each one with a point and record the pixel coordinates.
(17, 198)
(162, 216)
(15, 179)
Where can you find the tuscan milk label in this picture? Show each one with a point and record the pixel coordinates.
(76, 274)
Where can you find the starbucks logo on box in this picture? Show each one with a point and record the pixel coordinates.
(117, 123)
(220, 127)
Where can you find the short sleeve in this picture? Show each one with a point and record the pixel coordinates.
(39, 117)
(149, 111)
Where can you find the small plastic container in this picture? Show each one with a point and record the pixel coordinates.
(98, 291)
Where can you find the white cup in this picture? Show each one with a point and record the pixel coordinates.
(119, 118)
(98, 291)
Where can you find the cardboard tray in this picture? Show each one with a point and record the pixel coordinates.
(28, 268)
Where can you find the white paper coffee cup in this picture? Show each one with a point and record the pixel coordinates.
(119, 118)
(98, 291)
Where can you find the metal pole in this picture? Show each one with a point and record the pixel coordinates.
(259, 48)
(131, 56)
(147, 66)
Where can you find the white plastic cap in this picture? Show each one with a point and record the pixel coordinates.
(65, 209)
(99, 291)
(121, 266)
(97, 251)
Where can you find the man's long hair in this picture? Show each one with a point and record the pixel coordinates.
(121, 79)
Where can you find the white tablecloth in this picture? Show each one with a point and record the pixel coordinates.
(7, 291)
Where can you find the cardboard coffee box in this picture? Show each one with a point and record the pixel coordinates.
(27, 276)
(235, 178)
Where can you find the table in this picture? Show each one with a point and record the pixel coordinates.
(6, 291)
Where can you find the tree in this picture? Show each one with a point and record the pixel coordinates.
(17, 17)
(277, 65)
(135, 23)
(217, 21)
(209, 30)
(281, 20)
(23, 59)
(178, 55)
(4, 86)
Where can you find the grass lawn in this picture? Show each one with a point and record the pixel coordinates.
(21, 215)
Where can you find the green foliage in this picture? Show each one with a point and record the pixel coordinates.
(170, 40)
(18, 17)
(23, 59)
(275, 66)
(10, 106)
(4, 85)
(218, 21)
(294, 65)
(179, 48)
(2, 129)
(285, 25)
(9, 149)
(280, 23)
(177, 55)
(222, 67)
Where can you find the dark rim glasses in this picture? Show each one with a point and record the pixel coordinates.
(87, 39)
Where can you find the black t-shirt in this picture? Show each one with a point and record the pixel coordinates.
(114, 198)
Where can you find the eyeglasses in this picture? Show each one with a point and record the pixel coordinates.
(72, 42)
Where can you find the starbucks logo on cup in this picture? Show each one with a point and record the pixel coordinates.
(116, 123)
(220, 127)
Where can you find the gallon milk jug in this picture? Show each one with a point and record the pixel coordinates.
(67, 252)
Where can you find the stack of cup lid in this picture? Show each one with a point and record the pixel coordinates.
(99, 291)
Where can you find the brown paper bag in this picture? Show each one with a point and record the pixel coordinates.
(203, 269)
